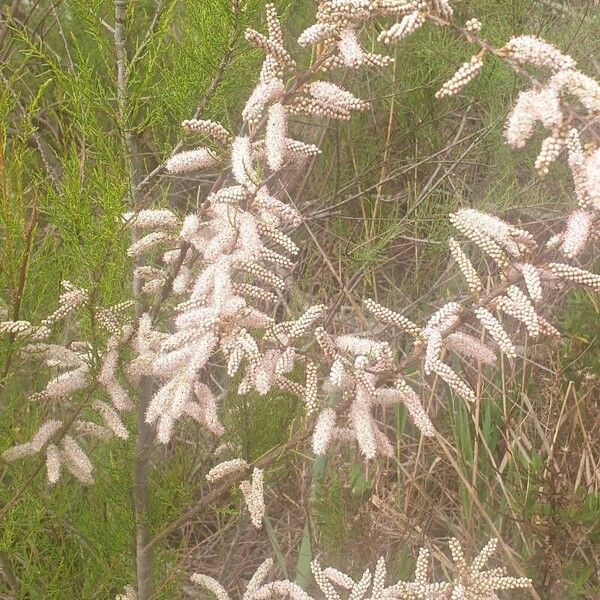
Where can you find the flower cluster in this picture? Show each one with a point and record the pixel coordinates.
(546, 103)
(522, 287)
(240, 242)
(337, 28)
(468, 581)
(225, 268)
(357, 364)
(524, 279)
(79, 371)
(253, 492)
(465, 74)
(228, 263)
(226, 468)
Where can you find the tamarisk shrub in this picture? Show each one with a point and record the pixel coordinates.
(230, 254)
(211, 278)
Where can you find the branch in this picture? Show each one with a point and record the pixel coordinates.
(225, 487)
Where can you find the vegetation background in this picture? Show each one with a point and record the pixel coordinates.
(525, 462)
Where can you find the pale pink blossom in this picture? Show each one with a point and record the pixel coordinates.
(577, 232)
(191, 160)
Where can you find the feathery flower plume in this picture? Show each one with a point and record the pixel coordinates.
(577, 232)
(148, 242)
(65, 384)
(512, 239)
(257, 580)
(409, 24)
(212, 585)
(24, 329)
(549, 151)
(363, 423)
(241, 162)
(211, 129)
(496, 331)
(311, 398)
(532, 280)
(532, 106)
(323, 431)
(349, 47)
(316, 34)
(358, 346)
(263, 94)
(111, 419)
(76, 460)
(159, 218)
(592, 174)
(465, 74)
(275, 136)
(39, 440)
(297, 148)
(443, 318)
(576, 83)
(577, 164)
(468, 346)
(331, 96)
(226, 468)
(191, 160)
(575, 275)
(108, 377)
(414, 406)
(253, 493)
(337, 373)
(454, 381)
(92, 429)
(69, 301)
(517, 305)
(53, 463)
(381, 313)
(466, 266)
(529, 49)
(433, 350)
(480, 238)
